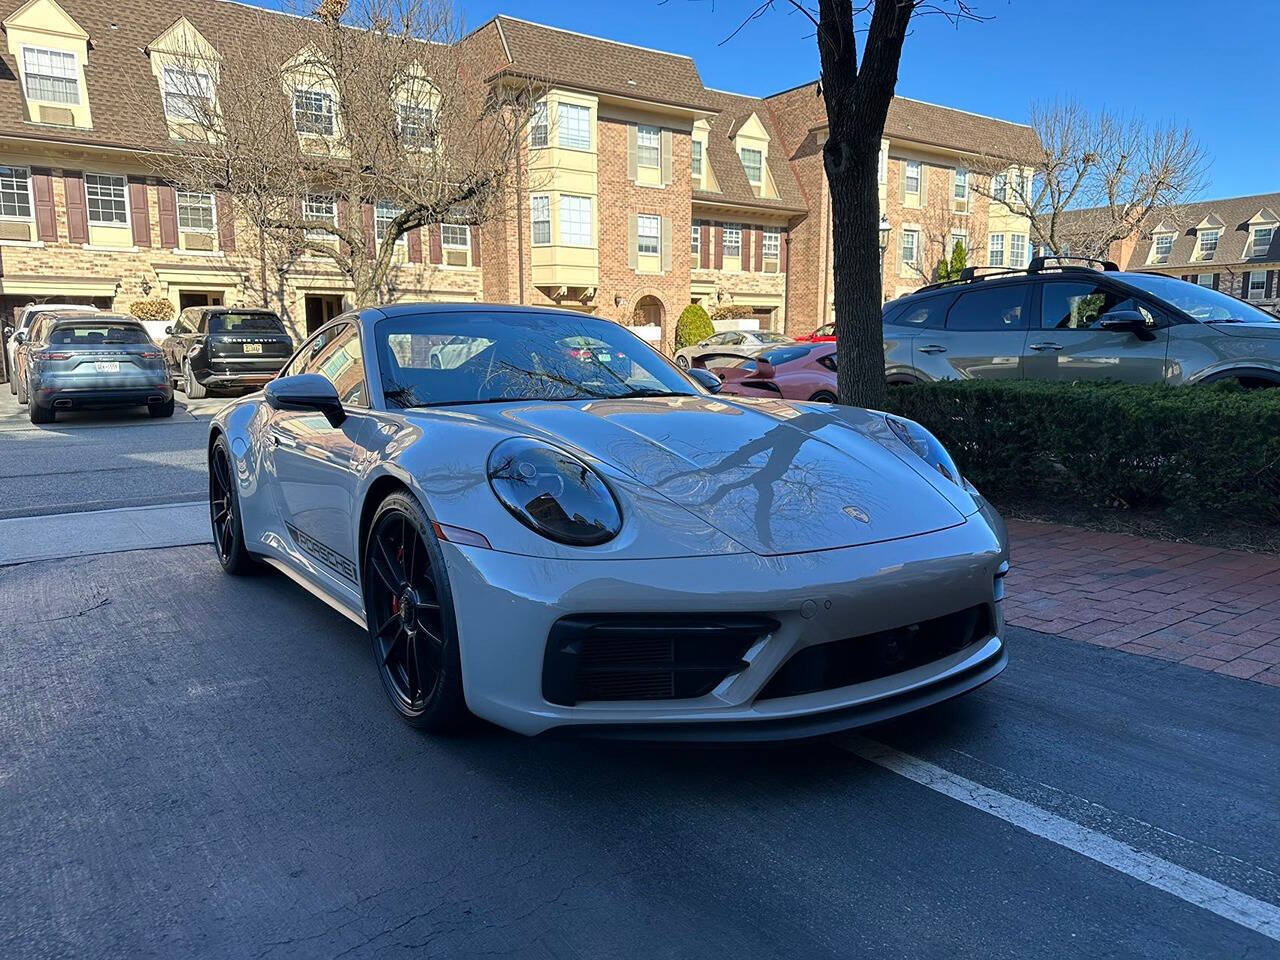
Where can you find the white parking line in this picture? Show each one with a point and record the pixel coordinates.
(1200, 891)
(61, 535)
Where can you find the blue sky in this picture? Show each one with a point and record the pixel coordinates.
(1210, 65)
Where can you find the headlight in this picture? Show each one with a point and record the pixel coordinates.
(553, 493)
(926, 446)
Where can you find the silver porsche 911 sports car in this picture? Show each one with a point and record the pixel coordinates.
(587, 540)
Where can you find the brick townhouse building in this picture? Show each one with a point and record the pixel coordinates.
(1232, 245)
(639, 189)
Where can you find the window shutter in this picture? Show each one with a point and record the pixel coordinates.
(631, 151)
(77, 214)
(664, 243)
(139, 213)
(344, 214)
(704, 246)
(666, 157)
(1186, 276)
(759, 242)
(719, 241)
(226, 222)
(784, 241)
(370, 237)
(633, 241)
(433, 243)
(167, 203)
(1215, 280)
(475, 244)
(745, 248)
(415, 245)
(1271, 281)
(42, 200)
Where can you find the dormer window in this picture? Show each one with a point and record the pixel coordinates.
(417, 126)
(697, 159)
(753, 164)
(188, 95)
(1209, 243)
(1163, 248)
(313, 112)
(51, 75)
(1261, 240)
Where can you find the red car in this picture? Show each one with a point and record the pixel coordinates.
(824, 334)
(798, 371)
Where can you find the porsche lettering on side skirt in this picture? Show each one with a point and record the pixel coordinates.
(331, 559)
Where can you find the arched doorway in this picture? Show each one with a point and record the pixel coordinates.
(647, 319)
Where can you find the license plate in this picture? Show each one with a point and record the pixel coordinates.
(603, 357)
(253, 348)
(107, 366)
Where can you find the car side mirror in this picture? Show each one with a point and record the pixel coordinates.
(168, 331)
(306, 391)
(8, 332)
(1126, 321)
(20, 337)
(706, 379)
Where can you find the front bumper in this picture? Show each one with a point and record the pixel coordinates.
(506, 605)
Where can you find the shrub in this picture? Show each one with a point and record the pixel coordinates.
(694, 326)
(1191, 452)
(156, 309)
(732, 311)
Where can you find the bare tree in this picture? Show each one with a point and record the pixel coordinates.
(1098, 177)
(337, 133)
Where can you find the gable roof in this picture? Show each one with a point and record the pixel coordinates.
(734, 111)
(591, 63)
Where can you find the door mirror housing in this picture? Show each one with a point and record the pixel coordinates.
(20, 337)
(1126, 321)
(706, 379)
(169, 330)
(306, 391)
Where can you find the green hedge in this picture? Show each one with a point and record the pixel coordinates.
(694, 326)
(1202, 453)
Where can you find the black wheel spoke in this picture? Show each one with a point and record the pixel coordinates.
(388, 567)
(411, 669)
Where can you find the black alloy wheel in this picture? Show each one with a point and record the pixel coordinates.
(224, 513)
(410, 617)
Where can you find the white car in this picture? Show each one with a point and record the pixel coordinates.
(740, 343)
(23, 322)
(586, 541)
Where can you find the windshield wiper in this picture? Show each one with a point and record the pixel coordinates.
(645, 392)
(1226, 320)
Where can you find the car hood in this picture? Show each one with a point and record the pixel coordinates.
(774, 476)
(1263, 329)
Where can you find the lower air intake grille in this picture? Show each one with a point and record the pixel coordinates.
(645, 657)
(827, 666)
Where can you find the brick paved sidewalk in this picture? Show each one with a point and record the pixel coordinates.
(1214, 609)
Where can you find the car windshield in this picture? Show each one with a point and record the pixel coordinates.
(1204, 303)
(765, 337)
(245, 323)
(784, 354)
(455, 357)
(89, 333)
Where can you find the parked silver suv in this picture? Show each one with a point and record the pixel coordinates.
(1057, 322)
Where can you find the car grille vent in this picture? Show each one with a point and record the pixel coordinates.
(828, 666)
(646, 657)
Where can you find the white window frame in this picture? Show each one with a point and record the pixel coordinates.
(573, 136)
(644, 148)
(957, 236)
(182, 95)
(907, 177)
(1205, 254)
(882, 165)
(731, 236)
(465, 244)
(1260, 276)
(543, 201)
(383, 213)
(540, 126)
(573, 219)
(995, 250)
(311, 203)
(695, 158)
(331, 113)
(124, 195)
(1156, 255)
(1000, 187)
(421, 115)
(213, 210)
(961, 189)
(914, 246)
(1204, 280)
(695, 242)
(771, 243)
(1018, 250)
(28, 73)
(1254, 251)
(759, 167)
(17, 175)
(648, 234)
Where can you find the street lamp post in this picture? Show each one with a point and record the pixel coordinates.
(885, 227)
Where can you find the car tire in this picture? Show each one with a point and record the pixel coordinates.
(224, 513)
(39, 414)
(823, 396)
(192, 387)
(413, 633)
(682, 361)
(161, 409)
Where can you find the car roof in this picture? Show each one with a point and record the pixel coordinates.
(391, 310)
(208, 310)
(99, 317)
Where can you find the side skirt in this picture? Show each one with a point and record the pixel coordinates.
(354, 616)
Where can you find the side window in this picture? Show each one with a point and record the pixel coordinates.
(1079, 306)
(995, 308)
(717, 340)
(829, 361)
(338, 359)
(299, 362)
(734, 338)
(921, 315)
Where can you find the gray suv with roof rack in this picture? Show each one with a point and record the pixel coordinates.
(1060, 321)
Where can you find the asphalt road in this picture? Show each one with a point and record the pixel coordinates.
(196, 765)
(97, 460)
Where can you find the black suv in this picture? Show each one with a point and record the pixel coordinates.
(1055, 321)
(225, 348)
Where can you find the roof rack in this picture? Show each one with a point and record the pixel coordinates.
(1038, 264)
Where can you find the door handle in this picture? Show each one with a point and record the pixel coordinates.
(933, 348)
(1046, 346)
(283, 440)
